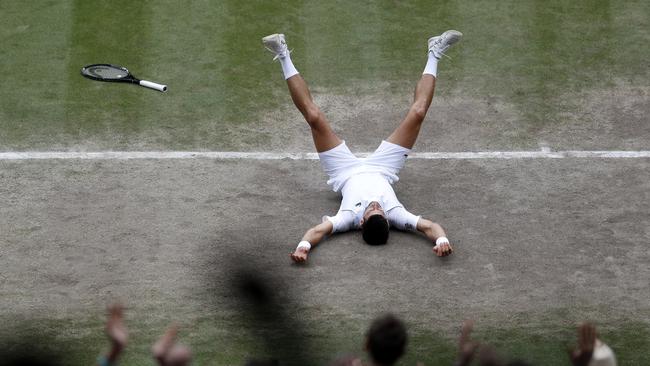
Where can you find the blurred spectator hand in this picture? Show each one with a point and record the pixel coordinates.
(586, 341)
(117, 334)
(466, 347)
(115, 328)
(167, 353)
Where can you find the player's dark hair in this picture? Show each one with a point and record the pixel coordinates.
(386, 339)
(375, 230)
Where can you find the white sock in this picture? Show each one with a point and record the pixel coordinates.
(432, 65)
(287, 66)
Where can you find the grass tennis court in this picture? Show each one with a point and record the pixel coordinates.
(541, 244)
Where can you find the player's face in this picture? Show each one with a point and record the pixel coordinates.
(374, 208)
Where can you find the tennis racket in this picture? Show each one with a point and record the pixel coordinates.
(107, 72)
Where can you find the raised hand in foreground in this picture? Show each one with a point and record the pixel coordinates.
(167, 353)
(586, 341)
(117, 334)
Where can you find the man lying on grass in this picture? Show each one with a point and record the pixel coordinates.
(369, 202)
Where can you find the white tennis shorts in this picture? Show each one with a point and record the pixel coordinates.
(340, 163)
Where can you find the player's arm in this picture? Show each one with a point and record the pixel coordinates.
(437, 235)
(312, 237)
(401, 219)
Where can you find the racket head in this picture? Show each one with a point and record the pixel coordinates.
(108, 72)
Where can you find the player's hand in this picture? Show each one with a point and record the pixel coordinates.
(443, 249)
(300, 255)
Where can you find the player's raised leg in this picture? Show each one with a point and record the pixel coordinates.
(322, 133)
(407, 132)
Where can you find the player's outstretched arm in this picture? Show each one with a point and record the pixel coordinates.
(311, 238)
(436, 234)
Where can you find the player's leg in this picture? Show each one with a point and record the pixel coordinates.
(407, 132)
(324, 137)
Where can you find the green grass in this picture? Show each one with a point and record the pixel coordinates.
(228, 340)
(532, 54)
(539, 56)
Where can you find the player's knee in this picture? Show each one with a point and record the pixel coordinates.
(419, 111)
(314, 117)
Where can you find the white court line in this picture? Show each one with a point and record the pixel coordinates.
(126, 155)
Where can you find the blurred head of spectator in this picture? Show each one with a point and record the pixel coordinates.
(262, 363)
(518, 363)
(386, 340)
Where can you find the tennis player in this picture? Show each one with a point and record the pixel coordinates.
(368, 200)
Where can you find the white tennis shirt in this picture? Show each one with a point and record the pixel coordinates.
(361, 189)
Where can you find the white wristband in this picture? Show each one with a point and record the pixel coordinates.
(304, 244)
(442, 240)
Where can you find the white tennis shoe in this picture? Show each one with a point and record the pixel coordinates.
(276, 44)
(439, 44)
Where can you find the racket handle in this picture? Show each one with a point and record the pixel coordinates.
(152, 85)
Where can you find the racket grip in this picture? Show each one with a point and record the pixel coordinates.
(152, 85)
